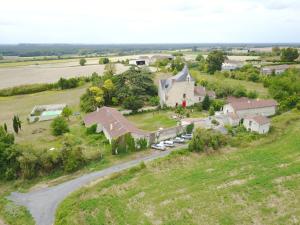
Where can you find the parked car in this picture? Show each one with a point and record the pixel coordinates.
(187, 136)
(159, 146)
(179, 140)
(169, 143)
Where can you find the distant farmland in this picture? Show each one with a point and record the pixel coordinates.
(48, 73)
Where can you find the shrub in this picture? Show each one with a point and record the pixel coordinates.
(154, 100)
(141, 144)
(91, 130)
(72, 157)
(204, 140)
(103, 60)
(123, 144)
(190, 128)
(211, 111)
(67, 112)
(82, 61)
(59, 126)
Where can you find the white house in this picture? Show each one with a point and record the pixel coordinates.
(230, 65)
(180, 90)
(277, 70)
(257, 123)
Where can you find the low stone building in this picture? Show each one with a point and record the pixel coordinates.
(113, 124)
(277, 70)
(230, 65)
(244, 106)
(257, 123)
(141, 61)
(181, 90)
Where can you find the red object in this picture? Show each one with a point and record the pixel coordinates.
(183, 103)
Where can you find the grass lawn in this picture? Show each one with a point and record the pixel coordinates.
(259, 184)
(152, 121)
(251, 86)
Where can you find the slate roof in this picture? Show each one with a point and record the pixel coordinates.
(261, 120)
(113, 122)
(182, 75)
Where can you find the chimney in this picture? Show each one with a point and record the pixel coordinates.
(111, 126)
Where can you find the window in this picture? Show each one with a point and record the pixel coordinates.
(250, 123)
(184, 95)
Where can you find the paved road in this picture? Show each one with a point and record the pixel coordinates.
(43, 203)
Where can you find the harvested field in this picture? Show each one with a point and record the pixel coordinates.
(48, 73)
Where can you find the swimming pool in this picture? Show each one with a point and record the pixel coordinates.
(51, 113)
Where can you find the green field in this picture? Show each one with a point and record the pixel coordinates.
(259, 184)
(250, 86)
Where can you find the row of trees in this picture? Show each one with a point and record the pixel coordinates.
(102, 60)
(286, 54)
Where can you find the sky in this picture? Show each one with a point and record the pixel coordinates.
(151, 21)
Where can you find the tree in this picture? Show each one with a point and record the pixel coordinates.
(19, 123)
(206, 102)
(82, 61)
(67, 112)
(15, 124)
(5, 127)
(91, 99)
(72, 156)
(289, 54)
(177, 65)
(190, 128)
(59, 126)
(108, 88)
(214, 61)
(199, 58)
(103, 60)
(110, 69)
(211, 111)
(276, 50)
(133, 103)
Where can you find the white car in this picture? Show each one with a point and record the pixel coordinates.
(159, 146)
(187, 136)
(179, 140)
(169, 143)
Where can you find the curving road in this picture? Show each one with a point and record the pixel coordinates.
(43, 203)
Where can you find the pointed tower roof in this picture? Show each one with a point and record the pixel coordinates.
(183, 75)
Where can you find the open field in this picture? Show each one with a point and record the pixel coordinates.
(251, 86)
(256, 185)
(50, 72)
(22, 105)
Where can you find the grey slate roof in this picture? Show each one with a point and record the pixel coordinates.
(182, 76)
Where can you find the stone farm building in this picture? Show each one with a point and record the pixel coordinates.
(113, 124)
(253, 113)
(277, 70)
(181, 90)
(257, 123)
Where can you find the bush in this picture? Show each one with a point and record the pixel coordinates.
(103, 60)
(133, 103)
(59, 126)
(141, 144)
(203, 140)
(72, 157)
(26, 89)
(123, 144)
(91, 130)
(154, 101)
(190, 128)
(82, 62)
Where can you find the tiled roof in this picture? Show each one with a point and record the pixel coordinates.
(233, 116)
(201, 91)
(261, 120)
(113, 122)
(245, 103)
(182, 75)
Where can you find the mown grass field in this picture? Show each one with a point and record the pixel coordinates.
(259, 184)
(250, 86)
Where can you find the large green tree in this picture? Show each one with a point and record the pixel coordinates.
(289, 54)
(214, 61)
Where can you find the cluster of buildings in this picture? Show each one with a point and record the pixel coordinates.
(276, 69)
(146, 60)
(180, 90)
(252, 113)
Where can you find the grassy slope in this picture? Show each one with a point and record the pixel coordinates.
(259, 184)
(250, 86)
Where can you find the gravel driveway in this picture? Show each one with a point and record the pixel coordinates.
(43, 203)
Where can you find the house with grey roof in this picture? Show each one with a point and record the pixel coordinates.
(181, 90)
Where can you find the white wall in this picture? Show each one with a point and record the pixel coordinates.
(261, 129)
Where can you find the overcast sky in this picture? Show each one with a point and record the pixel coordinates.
(151, 21)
